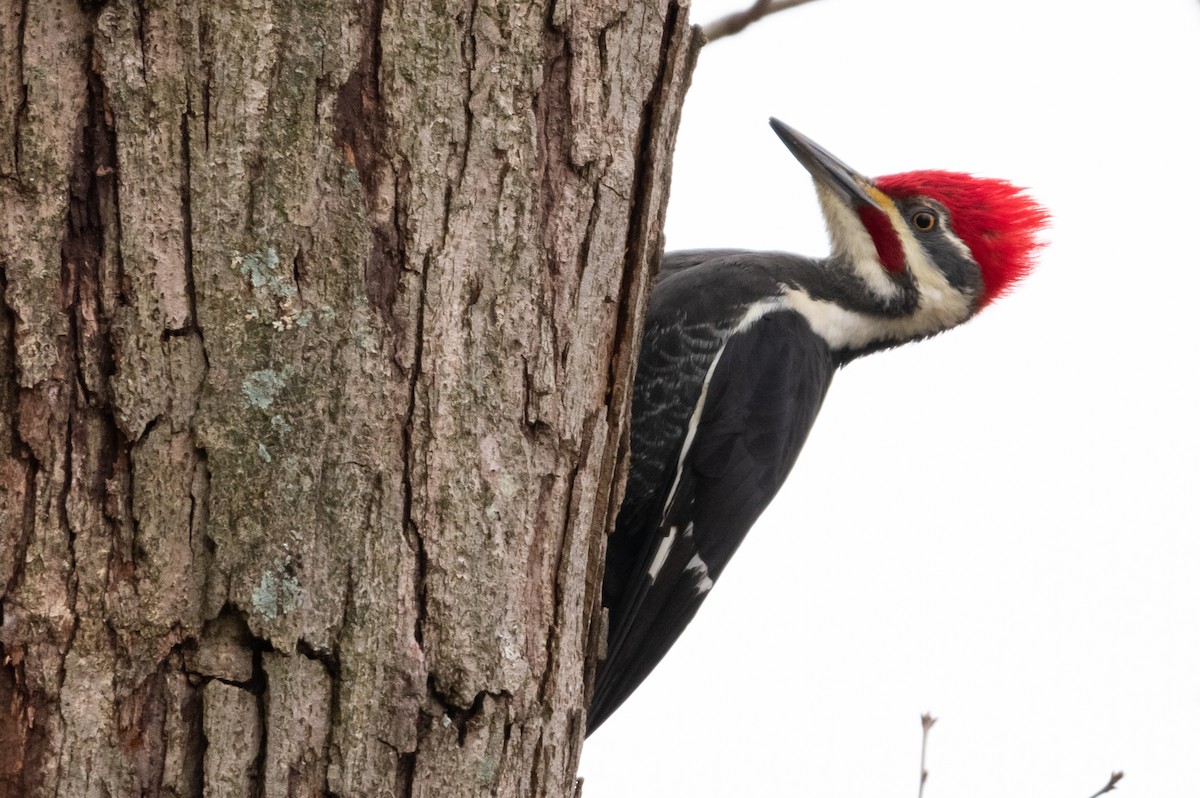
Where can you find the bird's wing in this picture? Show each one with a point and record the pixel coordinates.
(755, 408)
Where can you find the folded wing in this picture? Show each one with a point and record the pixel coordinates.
(757, 392)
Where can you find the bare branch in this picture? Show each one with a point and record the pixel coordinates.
(739, 20)
(927, 722)
(1112, 784)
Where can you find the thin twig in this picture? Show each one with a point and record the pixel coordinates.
(739, 20)
(927, 722)
(1112, 784)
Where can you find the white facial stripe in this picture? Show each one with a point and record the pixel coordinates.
(955, 241)
(854, 244)
(844, 329)
(940, 306)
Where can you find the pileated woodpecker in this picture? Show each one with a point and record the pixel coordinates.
(738, 351)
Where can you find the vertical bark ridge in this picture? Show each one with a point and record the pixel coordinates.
(313, 323)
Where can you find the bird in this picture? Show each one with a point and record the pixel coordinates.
(737, 353)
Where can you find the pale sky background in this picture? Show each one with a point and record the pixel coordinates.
(1001, 525)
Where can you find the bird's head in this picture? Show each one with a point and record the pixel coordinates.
(949, 242)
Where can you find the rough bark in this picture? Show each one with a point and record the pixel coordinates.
(316, 324)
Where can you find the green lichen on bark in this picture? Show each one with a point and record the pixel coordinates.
(316, 320)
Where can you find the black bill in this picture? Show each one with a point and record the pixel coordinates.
(826, 167)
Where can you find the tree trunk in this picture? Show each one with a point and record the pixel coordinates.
(317, 324)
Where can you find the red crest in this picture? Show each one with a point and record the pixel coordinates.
(997, 221)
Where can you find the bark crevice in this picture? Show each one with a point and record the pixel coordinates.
(20, 115)
(308, 330)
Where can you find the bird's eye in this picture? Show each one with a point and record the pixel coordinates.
(924, 221)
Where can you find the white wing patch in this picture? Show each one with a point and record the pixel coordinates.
(664, 547)
(697, 566)
(660, 556)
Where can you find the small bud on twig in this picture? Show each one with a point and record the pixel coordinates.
(927, 721)
(1112, 784)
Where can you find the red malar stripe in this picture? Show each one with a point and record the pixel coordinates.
(887, 243)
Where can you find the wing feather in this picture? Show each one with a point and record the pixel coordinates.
(759, 402)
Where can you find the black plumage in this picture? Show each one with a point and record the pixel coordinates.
(738, 352)
(767, 382)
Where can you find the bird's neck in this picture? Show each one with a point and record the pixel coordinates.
(857, 309)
